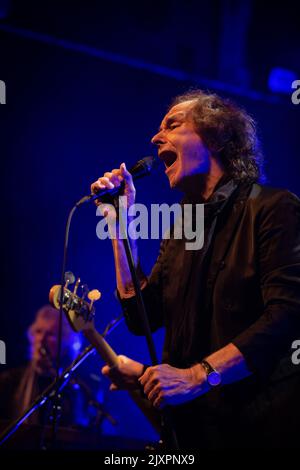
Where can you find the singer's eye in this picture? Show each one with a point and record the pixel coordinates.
(174, 125)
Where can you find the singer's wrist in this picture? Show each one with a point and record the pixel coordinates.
(116, 230)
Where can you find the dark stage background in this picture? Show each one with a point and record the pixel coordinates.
(86, 88)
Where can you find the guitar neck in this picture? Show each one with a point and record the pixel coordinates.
(100, 344)
(103, 348)
(111, 359)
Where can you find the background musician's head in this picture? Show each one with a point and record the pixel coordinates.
(43, 338)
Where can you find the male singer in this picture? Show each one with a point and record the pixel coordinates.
(232, 309)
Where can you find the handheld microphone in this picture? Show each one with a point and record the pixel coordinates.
(142, 168)
(44, 351)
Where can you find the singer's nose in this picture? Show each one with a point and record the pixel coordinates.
(158, 138)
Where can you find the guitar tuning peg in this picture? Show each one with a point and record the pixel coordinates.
(94, 295)
(76, 286)
(85, 290)
(69, 278)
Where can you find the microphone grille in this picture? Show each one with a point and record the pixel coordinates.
(143, 167)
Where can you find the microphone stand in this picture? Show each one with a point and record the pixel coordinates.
(166, 416)
(50, 394)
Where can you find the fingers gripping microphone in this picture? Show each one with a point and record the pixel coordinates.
(142, 168)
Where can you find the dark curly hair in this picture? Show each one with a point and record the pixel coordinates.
(229, 133)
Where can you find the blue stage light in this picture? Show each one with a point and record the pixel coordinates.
(280, 80)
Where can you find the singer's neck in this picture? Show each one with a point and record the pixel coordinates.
(199, 188)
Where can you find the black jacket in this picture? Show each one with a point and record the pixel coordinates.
(252, 299)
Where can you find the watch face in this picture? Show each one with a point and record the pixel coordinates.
(214, 378)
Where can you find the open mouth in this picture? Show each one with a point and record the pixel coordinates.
(168, 157)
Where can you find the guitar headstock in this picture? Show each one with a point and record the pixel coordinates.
(79, 312)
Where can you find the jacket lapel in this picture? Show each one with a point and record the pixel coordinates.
(225, 231)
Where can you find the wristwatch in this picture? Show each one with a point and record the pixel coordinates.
(213, 376)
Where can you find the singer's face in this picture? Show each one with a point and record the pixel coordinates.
(180, 147)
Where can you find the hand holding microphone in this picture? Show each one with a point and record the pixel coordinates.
(121, 180)
(118, 180)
